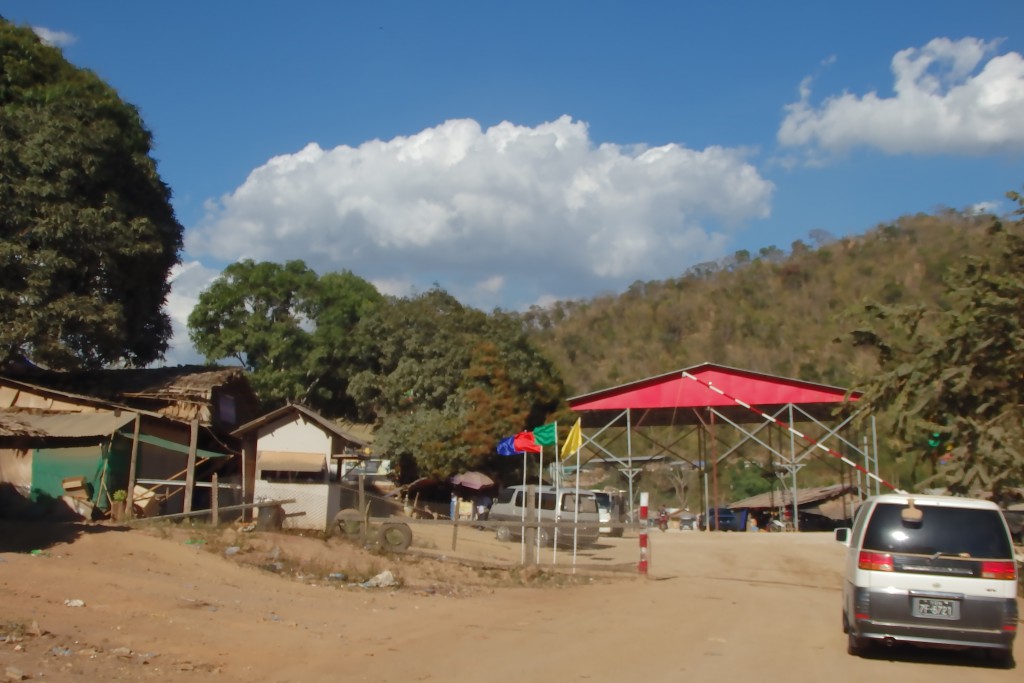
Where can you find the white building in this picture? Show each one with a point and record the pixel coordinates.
(296, 453)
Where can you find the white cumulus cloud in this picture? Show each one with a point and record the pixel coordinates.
(505, 216)
(54, 38)
(188, 280)
(989, 207)
(949, 97)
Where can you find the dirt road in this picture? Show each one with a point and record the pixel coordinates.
(179, 606)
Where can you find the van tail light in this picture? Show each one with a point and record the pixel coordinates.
(1010, 616)
(879, 562)
(1004, 570)
(861, 605)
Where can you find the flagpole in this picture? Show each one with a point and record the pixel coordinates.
(522, 529)
(558, 498)
(540, 498)
(576, 514)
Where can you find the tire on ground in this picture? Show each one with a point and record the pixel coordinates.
(270, 517)
(1003, 659)
(395, 536)
(348, 522)
(855, 645)
(504, 534)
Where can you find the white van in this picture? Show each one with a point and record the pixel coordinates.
(609, 510)
(930, 570)
(555, 505)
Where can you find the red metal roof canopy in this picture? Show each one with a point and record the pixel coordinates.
(673, 399)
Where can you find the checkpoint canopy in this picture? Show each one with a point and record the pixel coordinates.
(711, 399)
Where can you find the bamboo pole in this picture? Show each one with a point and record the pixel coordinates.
(229, 508)
(190, 471)
(129, 503)
(215, 501)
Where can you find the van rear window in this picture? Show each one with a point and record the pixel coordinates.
(587, 503)
(958, 532)
(546, 502)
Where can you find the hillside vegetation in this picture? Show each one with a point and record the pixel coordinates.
(791, 314)
(774, 312)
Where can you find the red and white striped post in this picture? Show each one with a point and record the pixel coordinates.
(642, 567)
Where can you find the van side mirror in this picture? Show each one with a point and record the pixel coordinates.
(842, 535)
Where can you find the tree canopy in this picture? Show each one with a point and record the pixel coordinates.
(953, 377)
(443, 382)
(447, 382)
(290, 328)
(88, 236)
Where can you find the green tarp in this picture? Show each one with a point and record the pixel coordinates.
(50, 466)
(102, 465)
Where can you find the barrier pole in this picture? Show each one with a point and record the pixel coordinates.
(642, 567)
(793, 431)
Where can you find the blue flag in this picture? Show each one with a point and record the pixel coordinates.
(507, 446)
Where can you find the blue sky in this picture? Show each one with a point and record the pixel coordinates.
(519, 153)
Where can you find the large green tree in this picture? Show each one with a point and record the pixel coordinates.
(290, 328)
(954, 377)
(87, 232)
(447, 382)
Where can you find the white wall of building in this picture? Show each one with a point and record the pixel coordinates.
(294, 434)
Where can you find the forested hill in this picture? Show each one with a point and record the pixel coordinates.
(774, 312)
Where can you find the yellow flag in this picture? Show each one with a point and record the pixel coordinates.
(573, 442)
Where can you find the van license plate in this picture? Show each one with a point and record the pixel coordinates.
(931, 608)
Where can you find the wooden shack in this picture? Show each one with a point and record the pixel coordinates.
(144, 431)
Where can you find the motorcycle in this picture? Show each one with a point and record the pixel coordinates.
(663, 521)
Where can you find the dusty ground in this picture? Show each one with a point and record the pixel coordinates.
(194, 604)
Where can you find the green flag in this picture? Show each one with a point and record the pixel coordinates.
(545, 435)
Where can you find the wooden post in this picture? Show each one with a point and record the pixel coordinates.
(364, 509)
(190, 472)
(248, 475)
(214, 501)
(455, 532)
(129, 503)
(245, 483)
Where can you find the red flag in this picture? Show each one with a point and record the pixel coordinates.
(524, 443)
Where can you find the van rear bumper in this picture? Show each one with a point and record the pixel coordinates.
(984, 622)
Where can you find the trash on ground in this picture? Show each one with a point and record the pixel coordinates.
(383, 580)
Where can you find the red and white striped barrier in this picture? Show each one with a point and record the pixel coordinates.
(642, 567)
(798, 433)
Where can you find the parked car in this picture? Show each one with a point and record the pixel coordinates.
(687, 521)
(609, 509)
(932, 570)
(722, 519)
(376, 472)
(554, 505)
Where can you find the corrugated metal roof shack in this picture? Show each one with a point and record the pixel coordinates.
(76, 438)
(820, 508)
(704, 413)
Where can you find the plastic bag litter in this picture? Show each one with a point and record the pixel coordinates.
(383, 580)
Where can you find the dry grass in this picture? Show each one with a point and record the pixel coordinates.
(348, 561)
